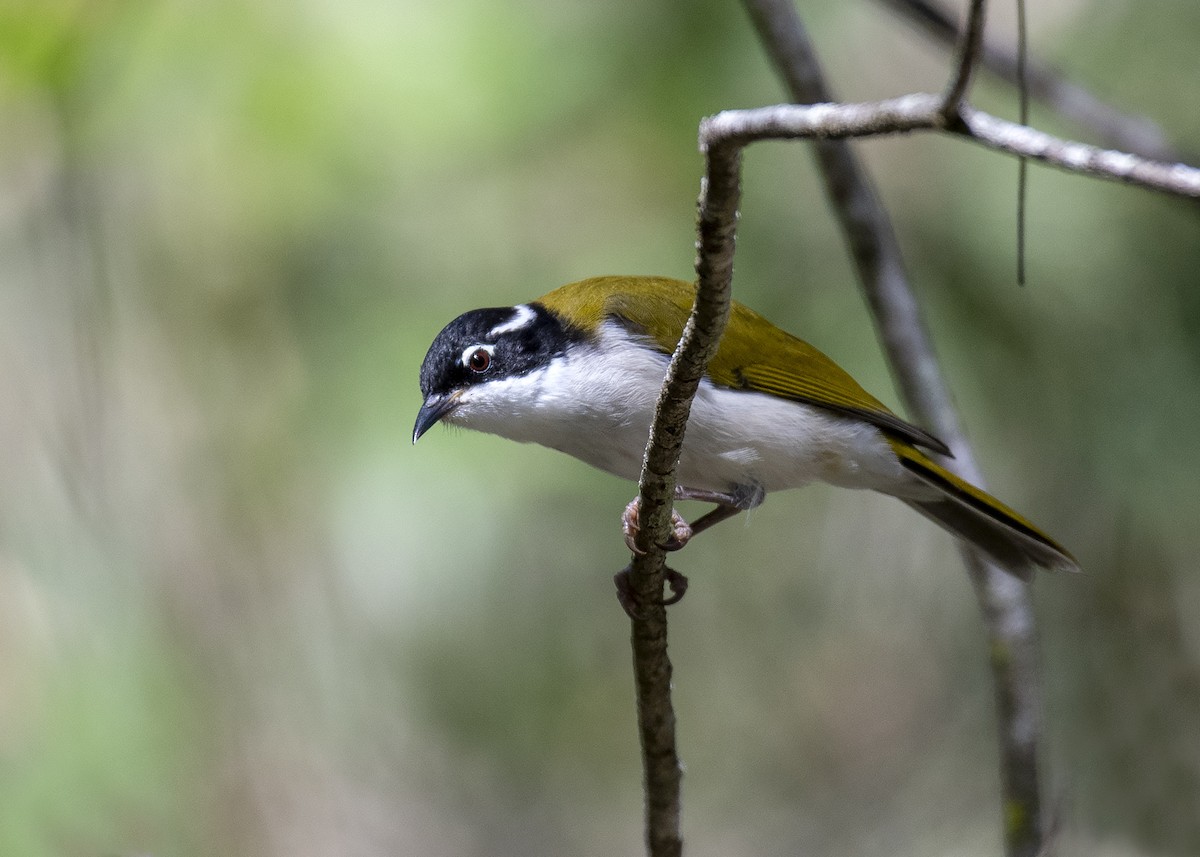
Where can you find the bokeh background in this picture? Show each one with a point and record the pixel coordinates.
(240, 614)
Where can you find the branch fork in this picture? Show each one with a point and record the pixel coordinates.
(1003, 600)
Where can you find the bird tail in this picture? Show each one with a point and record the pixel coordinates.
(980, 519)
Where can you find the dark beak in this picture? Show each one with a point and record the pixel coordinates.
(432, 411)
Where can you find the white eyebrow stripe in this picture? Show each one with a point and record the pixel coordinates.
(523, 315)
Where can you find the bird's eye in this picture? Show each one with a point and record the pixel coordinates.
(479, 360)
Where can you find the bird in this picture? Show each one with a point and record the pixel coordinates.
(579, 370)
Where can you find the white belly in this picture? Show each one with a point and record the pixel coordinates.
(597, 406)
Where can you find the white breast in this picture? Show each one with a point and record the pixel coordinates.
(596, 405)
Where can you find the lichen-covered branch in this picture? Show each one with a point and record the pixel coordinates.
(923, 112)
(1002, 135)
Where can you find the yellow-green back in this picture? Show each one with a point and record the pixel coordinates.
(754, 354)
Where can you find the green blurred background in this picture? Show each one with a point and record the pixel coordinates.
(240, 614)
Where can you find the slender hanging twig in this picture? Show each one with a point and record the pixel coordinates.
(970, 44)
(1022, 162)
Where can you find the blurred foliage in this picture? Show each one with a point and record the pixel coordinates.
(239, 614)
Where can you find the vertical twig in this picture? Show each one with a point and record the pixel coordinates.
(661, 773)
(718, 203)
(1004, 601)
(969, 45)
(1022, 163)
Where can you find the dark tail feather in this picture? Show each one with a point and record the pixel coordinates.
(979, 518)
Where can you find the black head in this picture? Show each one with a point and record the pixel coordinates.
(485, 345)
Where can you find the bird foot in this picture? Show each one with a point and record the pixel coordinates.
(681, 532)
(627, 596)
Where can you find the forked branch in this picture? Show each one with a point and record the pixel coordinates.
(1069, 100)
(1003, 600)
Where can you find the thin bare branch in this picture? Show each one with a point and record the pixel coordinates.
(922, 111)
(1113, 127)
(996, 133)
(656, 722)
(969, 47)
(1023, 118)
(718, 203)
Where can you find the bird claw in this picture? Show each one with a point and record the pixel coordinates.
(627, 596)
(681, 531)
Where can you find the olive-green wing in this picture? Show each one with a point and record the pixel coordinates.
(757, 355)
(754, 354)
